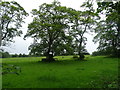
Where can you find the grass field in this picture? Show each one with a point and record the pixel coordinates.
(95, 72)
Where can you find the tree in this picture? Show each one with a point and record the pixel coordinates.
(81, 23)
(108, 30)
(49, 28)
(11, 18)
(4, 54)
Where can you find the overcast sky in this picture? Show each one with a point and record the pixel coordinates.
(21, 46)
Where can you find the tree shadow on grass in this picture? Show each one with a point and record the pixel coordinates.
(62, 62)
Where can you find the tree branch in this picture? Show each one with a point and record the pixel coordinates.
(5, 35)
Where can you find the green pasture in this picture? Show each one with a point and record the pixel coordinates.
(93, 72)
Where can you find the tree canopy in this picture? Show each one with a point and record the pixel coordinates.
(108, 29)
(82, 22)
(11, 18)
(58, 30)
(49, 29)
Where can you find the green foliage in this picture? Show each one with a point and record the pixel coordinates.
(100, 53)
(60, 30)
(20, 55)
(75, 56)
(49, 30)
(4, 54)
(10, 69)
(11, 18)
(82, 22)
(14, 55)
(108, 29)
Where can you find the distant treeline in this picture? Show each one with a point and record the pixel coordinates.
(4, 54)
(19, 55)
(8, 55)
(106, 53)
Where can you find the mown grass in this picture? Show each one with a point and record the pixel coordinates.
(96, 72)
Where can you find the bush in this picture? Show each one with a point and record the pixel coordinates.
(75, 56)
(10, 69)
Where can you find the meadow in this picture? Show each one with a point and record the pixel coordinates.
(93, 72)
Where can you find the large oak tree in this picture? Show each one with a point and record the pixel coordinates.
(49, 30)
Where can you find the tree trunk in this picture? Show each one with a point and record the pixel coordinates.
(0, 37)
(1, 28)
(118, 39)
(50, 58)
(49, 54)
(81, 56)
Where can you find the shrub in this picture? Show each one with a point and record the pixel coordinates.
(10, 69)
(82, 56)
(75, 56)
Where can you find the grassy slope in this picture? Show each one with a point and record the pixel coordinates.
(65, 73)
